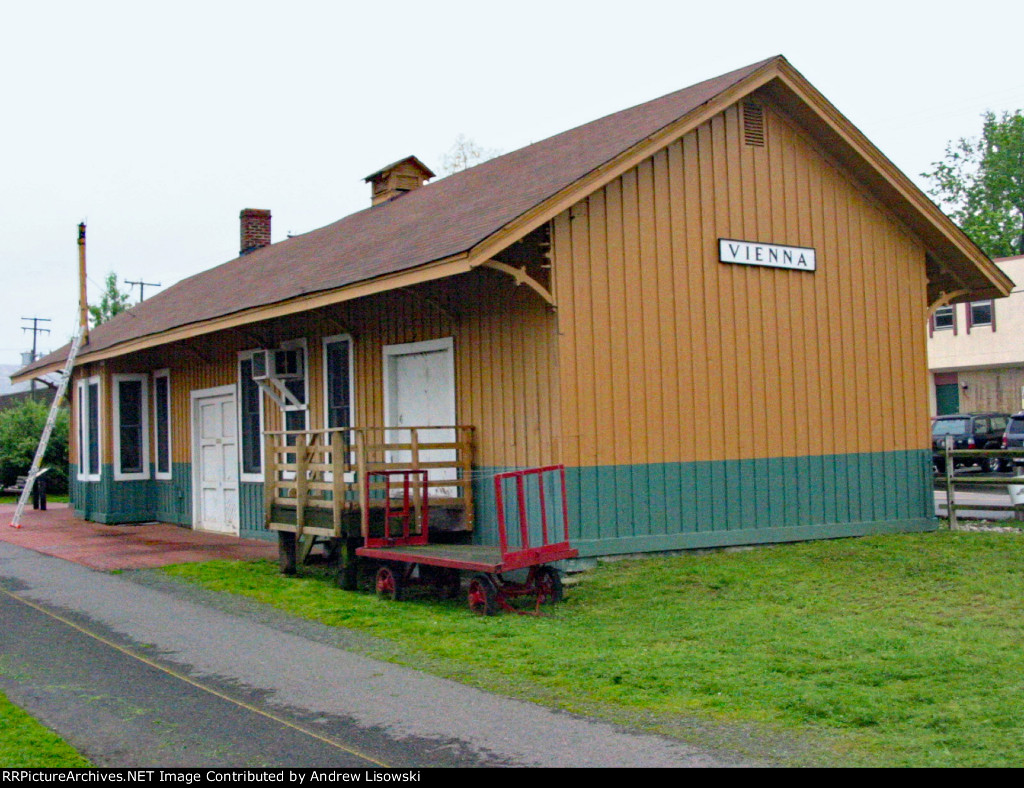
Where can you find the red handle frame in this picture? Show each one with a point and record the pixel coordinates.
(547, 550)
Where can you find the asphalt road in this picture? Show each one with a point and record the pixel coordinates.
(132, 712)
(137, 675)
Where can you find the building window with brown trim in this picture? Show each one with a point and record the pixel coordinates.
(981, 313)
(945, 317)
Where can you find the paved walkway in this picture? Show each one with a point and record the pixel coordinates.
(135, 670)
(59, 533)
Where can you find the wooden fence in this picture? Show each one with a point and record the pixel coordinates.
(950, 483)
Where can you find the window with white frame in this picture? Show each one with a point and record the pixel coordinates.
(338, 381)
(162, 424)
(944, 317)
(339, 386)
(292, 361)
(88, 417)
(289, 365)
(250, 412)
(131, 427)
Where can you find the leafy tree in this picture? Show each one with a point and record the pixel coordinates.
(21, 427)
(980, 184)
(111, 303)
(464, 154)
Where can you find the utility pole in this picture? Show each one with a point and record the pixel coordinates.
(36, 331)
(65, 377)
(83, 301)
(142, 287)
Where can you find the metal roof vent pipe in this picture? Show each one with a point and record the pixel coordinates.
(255, 229)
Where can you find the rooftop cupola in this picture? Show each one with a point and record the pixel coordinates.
(397, 179)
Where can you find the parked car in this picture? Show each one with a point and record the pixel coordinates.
(1013, 437)
(971, 431)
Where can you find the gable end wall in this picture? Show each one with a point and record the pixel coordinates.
(699, 396)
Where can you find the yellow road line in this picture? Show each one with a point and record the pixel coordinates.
(193, 682)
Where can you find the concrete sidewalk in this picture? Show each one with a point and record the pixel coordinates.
(59, 533)
(139, 675)
(136, 674)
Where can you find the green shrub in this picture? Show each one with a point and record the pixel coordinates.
(20, 430)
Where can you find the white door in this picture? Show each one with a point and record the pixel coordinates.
(419, 391)
(216, 474)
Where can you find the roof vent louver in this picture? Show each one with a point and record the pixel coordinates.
(753, 124)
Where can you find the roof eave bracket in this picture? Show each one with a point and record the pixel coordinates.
(522, 278)
(944, 298)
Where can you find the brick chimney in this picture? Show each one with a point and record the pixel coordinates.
(255, 226)
(397, 179)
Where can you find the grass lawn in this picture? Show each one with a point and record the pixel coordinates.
(898, 650)
(49, 499)
(24, 743)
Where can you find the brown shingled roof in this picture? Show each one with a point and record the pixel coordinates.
(435, 222)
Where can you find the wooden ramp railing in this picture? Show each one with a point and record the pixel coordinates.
(314, 480)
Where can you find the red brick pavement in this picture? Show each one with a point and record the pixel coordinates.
(59, 533)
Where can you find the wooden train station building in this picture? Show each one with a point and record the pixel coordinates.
(711, 308)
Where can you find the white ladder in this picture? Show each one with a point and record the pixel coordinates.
(44, 440)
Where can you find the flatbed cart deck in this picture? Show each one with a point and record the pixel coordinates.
(409, 557)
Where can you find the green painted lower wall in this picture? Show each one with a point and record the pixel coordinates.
(109, 501)
(675, 506)
(635, 508)
(168, 501)
(250, 512)
(174, 496)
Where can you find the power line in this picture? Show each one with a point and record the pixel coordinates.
(141, 288)
(36, 331)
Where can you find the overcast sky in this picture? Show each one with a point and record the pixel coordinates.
(156, 123)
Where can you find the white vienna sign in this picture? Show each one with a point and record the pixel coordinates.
(748, 253)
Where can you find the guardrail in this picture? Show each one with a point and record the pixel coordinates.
(949, 482)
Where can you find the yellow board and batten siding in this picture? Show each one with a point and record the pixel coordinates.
(668, 355)
(504, 344)
(660, 356)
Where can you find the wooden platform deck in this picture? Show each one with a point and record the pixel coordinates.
(473, 558)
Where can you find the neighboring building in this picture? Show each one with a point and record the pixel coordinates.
(721, 335)
(13, 394)
(975, 352)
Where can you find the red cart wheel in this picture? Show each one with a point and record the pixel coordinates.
(549, 585)
(389, 584)
(482, 595)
